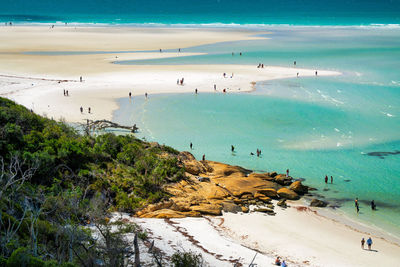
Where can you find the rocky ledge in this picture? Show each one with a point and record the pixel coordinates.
(212, 187)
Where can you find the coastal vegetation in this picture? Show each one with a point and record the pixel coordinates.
(57, 187)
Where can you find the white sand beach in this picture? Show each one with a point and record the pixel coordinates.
(38, 81)
(299, 235)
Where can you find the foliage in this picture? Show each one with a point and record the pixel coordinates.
(186, 259)
(59, 174)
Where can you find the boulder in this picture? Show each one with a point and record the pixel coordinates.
(273, 174)
(282, 203)
(283, 180)
(318, 203)
(231, 207)
(208, 209)
(265, 210)
(298, 187)
(269, 192)
(264, 176)
(265, 199)
(288, 194)
(245, 209)
(191, 165)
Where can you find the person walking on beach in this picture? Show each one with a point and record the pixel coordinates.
(331, 179)
(130, 94)
(297, 75)
(294, 63)
(326, 179)
(177, 81)
(215, 87)
(195, 91)
(67, 93)
(369, 243)
(80, 79)
(81, 109)
(362, 243)
(145, 95)
(64, 92)
(89, 110)
(191, 146)
(316, 73)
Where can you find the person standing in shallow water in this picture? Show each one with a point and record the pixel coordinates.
(373, 206)
(204, 157)
(331, 179)
(287, 173)
(326, 179)
(191, 145)
(232, 148)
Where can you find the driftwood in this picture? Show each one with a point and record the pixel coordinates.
(104, 124)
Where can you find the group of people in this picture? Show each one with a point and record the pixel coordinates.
(66, 93)
(180, 81)
(260, 65)
(369, 243)
(326, 179)
(278, 262)
(233, 53)
(373, 205)
(89, 109)
(225, 75)
(258, 152)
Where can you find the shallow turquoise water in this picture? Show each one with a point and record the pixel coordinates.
(314, 126)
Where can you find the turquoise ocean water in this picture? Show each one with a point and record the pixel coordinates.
(314, 126)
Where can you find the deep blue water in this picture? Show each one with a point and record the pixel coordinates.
(294, 12)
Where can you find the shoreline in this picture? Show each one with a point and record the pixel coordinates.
(104, 82)
(212, 25)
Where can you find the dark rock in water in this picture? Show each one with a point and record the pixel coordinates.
(325, 189)
(312, 188)
(383, 154)
(273, 174)
(347, 180)
(318, 203)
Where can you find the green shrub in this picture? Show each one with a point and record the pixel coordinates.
(186, 259)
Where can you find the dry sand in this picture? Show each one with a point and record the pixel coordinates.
(32, 79)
